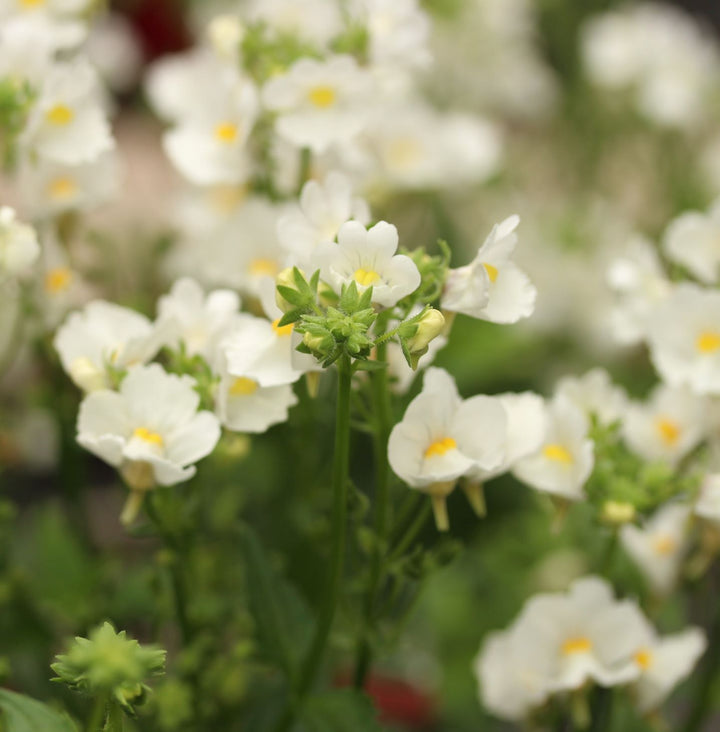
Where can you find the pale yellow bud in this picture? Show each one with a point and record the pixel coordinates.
(618, 512)
(430, 326)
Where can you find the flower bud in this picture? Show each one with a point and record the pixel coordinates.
(225, 33)
(285, 279)
(618, 512)
(428, 327)
(317, 343)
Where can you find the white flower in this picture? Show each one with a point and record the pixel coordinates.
(208, 144)
(198, 322)
(509, 687)
(151, 429)
(708, 502)
(639, 283)
(659, 547)
(320, 103)
(565, 460)
(101, 335)
(684, 338)
(19, 248)
(693, 240)
(398, 31)
(367, 257)
(67, 123)
(317, 21)
(323, 209)
(50, 188)
(442, 438)
(664, 662)
(668, 427)
(492, 287)
(595, 394)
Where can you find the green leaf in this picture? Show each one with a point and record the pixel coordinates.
(283, 621)
(292, 296)
(23, 714)
(346, 710)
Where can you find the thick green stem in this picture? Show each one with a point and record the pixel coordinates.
(341, 463)
(703, 691)
(601, 711)
(383, 419)
(97, 715)
(115, 719)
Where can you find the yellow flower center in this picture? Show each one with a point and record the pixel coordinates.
(322, 96)
(62, 188)
(708, 342)
(558, 454)
(669, 430)
(282, 330)
(58, 279)
(242, 386)
(260, 267)
(492, 271)
(403, 152)
(664, 545)
(60, 115)
(226, 199)
(581, 644)
(366, 277)
(226, 132)
(149, 436)
(29, 4)
(644, 659)
(440, 447)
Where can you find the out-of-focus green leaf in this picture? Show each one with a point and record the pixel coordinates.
(345, 710)
(22, 714)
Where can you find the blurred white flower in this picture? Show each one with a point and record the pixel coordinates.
(660, 546)
(668, 426)
(114, 50)
(320, 103)
(684, 338)
(67, 123)
(693, 240)
(323, 208)
(492, 287)
(104, 335)
(595, 394)
(708, 502)
(367, 257)
(565, 459)
(19, 248)
(316, 21)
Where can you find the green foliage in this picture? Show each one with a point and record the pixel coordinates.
(19, 713)
(339, 711)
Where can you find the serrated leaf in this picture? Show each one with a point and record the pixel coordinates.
(23, 714)
(345, 710)
(365, 301)
(283, 621)
(349, 298)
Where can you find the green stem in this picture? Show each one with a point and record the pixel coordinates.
(383, 419)
(341, 463)
(413, 530)
(703, 691)
(115, 719)
(97, 715)
(305, 168)
(601, 710)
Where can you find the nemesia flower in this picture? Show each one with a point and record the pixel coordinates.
(323, 208)
(320, 103)
(67, 123)
(693, 240)
(659, 546)
(199, 322)
(208, 144)
(565, 460)
(492, 287)
(50, 188)
(317, 21)
(57, 8)
(668, 427)
(368, 258)
(19, 248)
(398, 31)
(100, 336)
(664, 662)
(441, 438)
(558, 643)
(595, 394)
(684, 338)
(640, 285)
(151, 429)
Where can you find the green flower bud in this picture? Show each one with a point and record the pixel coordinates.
(428, 327)
(110, 663)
